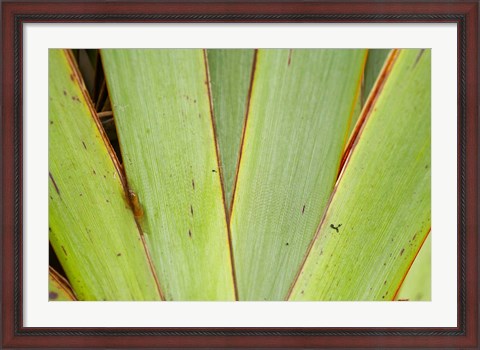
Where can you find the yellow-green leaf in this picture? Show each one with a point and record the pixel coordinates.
(163, 115)
(301, 103)
(230, 75)
(379, 214)
(92, 227)
(417, 285)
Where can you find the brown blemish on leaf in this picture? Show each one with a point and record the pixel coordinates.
(135, 204)
(63, 248)
(190, 233)
(72, 77)
(119, 254)
(84, 146)
(303, 209)
(64, 92)
(94, 173)
(401, 252)
(193, 184)
(54, 183)
(52, 295)
(214, 171)
(289, 56)
(191, 210)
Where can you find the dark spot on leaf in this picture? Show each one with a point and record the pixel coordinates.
(94, 173)
(384, 264)
(302, 292)
(401, 252)
(289, 56)
(415, 235)
(64, 92)
(303, 209)
(52, 295)
(51, 122)
(193, 184)
(383, 296)
(321, 252)
(194, 101)
(191, 210)
(54, 183)
(107, 200)
(214, 171)
(84, 145)
(418, 57)
(385, 282)
(199, 115)
(75, 98)
(81, 194)
(190, 233)
(286, 243)
(335, 228)
(119, 254)
(63, 248)
(72, 77)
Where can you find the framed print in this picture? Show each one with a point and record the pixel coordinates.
(240, 174)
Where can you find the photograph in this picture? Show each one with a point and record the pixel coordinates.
(223, 174)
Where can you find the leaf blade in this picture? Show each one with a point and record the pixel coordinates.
(280, 191)
(58, 288)
(230, 76)
(162, 109)
(90, 221)
(399, 122)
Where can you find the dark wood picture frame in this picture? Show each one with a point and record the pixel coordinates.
(462, 12)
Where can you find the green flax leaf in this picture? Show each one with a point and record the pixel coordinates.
(162, 110)
(417, 285)
(301, 103)
(379, 214)
(375, 61)
(92, 227)
(230, 75)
